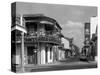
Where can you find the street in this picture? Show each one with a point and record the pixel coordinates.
(62, 66)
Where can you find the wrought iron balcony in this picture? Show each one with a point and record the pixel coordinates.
(48, 39)
(40, 38)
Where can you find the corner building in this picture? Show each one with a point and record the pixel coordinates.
(35, 40)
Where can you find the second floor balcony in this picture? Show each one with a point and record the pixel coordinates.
(34, 38)
(46, 39)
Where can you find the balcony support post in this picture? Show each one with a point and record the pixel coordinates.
(22, 52)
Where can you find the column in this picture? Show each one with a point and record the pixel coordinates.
(53, 48)
(39, 57)
(22, 52)
(48, 55)
(43, 53)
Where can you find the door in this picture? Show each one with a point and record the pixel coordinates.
(32, 55)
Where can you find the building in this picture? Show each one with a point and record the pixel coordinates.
(35, 40)
(90, 41)
(94, 34)
(93, 23)
(67, 47)
(87, 33)
(62, 51)
(86, 48)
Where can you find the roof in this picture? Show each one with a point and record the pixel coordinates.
(41, 17)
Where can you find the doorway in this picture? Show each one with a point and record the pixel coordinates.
(32, 55)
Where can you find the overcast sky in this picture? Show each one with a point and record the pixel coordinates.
(71, 18)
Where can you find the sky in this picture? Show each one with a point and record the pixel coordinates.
(70, 17)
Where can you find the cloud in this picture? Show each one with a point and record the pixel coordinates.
(72, 24)
(74, 29)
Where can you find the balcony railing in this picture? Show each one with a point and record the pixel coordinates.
(49, 39)
(41, 38)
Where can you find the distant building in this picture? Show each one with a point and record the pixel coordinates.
(94, 34)
(87, 33)
(90, 41)
(66, 43)
(65, 46)
(86, 48)
(93, 23)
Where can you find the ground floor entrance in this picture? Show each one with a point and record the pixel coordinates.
(41, 54)
(35, 54)
(31, 55)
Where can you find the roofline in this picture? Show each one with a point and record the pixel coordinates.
(42, 15)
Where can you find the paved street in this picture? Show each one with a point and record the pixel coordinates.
(62, 66)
